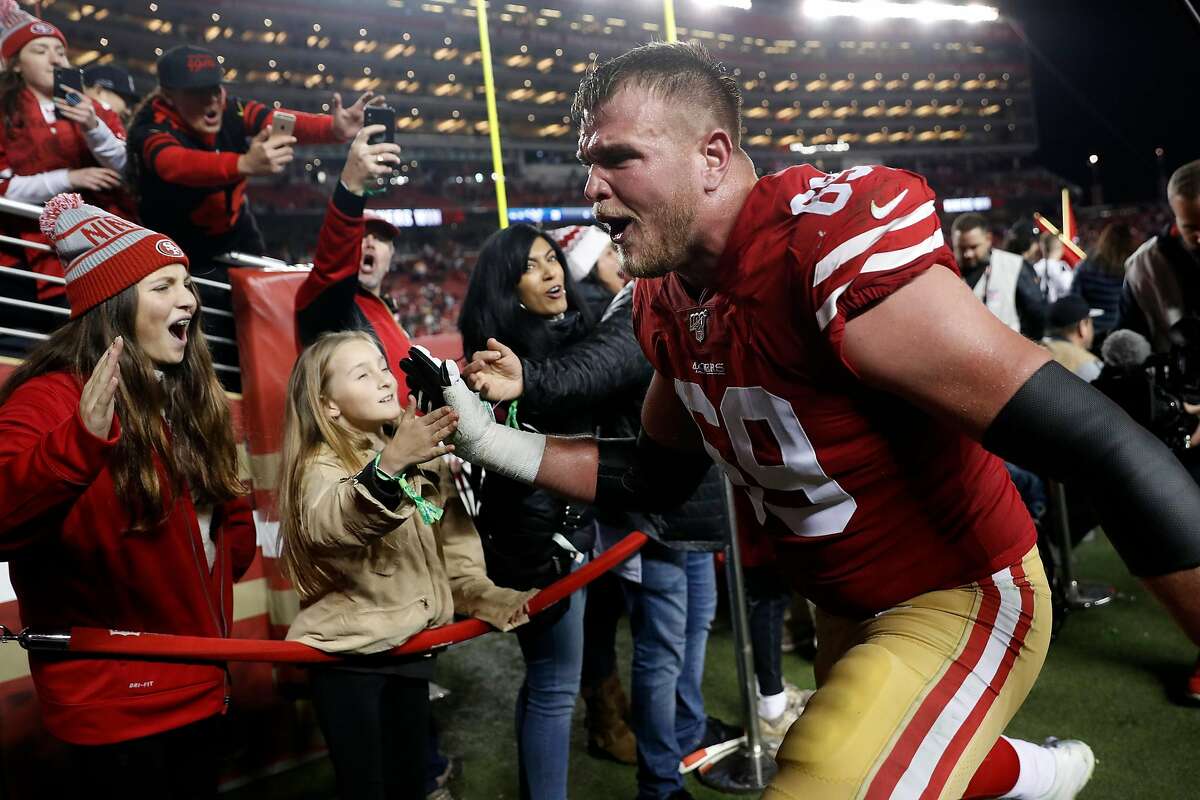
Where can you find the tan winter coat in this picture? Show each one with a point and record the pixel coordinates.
(397, 575)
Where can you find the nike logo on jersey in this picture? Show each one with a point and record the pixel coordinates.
(880, 213)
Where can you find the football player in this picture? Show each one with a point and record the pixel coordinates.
(812, 336)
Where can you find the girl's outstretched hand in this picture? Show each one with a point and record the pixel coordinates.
(418, 439)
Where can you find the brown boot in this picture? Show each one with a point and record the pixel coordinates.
(608, 734)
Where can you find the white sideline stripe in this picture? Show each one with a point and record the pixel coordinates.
(920, 770)
(882, 262)
(857, 245)
(828, 309)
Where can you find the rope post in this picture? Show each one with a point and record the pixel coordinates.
(751, 768)
(1076, 594)
(489, 85)
(669, 20)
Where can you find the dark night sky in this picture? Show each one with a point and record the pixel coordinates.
(1136, 63)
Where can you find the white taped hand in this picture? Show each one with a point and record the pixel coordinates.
(481, 440)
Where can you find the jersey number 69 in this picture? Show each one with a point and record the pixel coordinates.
(831, 507)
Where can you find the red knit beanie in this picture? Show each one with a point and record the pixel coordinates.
(18, 28)
(101, 253)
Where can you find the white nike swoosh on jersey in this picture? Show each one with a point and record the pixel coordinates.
(880, 213)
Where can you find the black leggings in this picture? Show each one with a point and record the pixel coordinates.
(180, 764)
(376, 725)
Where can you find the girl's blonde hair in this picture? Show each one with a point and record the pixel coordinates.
(305, 428)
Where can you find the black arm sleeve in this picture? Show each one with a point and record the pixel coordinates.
(609, 360)
(643, 475)
(1059, 427)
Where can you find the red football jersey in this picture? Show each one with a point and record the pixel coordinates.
(864, 500)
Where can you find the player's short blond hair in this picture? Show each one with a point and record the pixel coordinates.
(681, 71)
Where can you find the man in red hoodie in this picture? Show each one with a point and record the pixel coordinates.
(354, 252)
(193, 147)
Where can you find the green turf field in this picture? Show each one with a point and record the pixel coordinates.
(1109, 680)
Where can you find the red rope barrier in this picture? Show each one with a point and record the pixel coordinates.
(96, 641)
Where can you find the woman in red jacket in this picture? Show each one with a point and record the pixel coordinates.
(49, 145)
(112, 435)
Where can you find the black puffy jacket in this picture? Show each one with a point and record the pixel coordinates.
(605, 375)
(518, 523)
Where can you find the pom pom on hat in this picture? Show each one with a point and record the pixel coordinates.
(102, 254)
(56, 206)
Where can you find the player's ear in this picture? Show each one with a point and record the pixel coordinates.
(718, 150)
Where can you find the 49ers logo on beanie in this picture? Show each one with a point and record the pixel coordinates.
(18, 28)
(102, 254)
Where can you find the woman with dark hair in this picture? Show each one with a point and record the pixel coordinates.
(1099, 278)
(521, 294)
(121, 506)
(48, 145)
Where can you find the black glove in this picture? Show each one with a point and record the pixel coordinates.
(426, 378)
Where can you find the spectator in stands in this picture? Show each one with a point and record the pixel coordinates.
(1099, 277)
(379, 547)
(1022, 238)
(1162, 278)
(521, 293)
(1054, 275)
(593, 264)
(1069, 336)
(48, 145)
(1003, 280)
(342, 293)
(354, 253)
(113, 88)
(670, 586)
(113, 434)
(193, 147)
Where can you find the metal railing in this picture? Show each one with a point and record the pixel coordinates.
(217, 317)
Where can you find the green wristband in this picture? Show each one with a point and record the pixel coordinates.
(430, 513)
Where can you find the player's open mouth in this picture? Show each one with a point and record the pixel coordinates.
(368, 262)
(387, 398)
(179, 329)
(212, 116)
(555, 292)
(616, 226)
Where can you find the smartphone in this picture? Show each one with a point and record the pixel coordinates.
(283, 124)
(381, 115)
(67, 76)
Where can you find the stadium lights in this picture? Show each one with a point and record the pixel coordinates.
(810, 149)
(885, 9)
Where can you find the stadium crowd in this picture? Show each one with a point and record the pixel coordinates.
(116, 446)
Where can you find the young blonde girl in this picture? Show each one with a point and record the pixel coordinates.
(379, 548)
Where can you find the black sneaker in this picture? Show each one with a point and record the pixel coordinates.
(716, 731)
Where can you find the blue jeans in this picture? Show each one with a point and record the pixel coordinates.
(671, 611)
(553, 660)
(768, 596)
(1031, 488)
